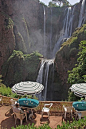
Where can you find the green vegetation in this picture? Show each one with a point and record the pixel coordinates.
(56, 3)
(1, 84)
(77, 36)
(21, 67)
(81, 124)
(21, 45)
(15, 53)
(45, 126)
(6, 91)
(61, 2)
(72, 51)
(70, 48)
(51, 4)
(8, 21)
(78, 73)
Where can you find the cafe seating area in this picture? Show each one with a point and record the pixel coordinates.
(59, 111)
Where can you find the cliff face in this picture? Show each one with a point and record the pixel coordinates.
(30, 26)
(7, 40)
(11, 17)
(21, 67)
(65, 60)
(22, 27)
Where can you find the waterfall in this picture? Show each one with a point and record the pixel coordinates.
(51, 29)
(43, 77)
(81, 16)
(40, 77)
(67, 28)
(44, 27)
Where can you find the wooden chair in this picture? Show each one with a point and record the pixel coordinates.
(19, 115)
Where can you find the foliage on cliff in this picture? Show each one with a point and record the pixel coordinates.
(78, 73)
(66, 58)
(1, 83)
(61, 2)
(70, 47)
(21, 67)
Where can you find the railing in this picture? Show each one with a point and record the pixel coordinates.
(6, 100)
(56, 109)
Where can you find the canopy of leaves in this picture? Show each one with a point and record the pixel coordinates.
(61, 2)
(51, 4)
(78, 74)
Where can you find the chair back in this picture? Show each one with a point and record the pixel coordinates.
(12, 102)
(51, 104)
(68, 109)
(16, 110)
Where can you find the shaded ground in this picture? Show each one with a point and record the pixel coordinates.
(7, 120)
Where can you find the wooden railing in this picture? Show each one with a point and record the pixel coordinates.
(56, 109)
(6, 100)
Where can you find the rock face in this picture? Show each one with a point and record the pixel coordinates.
(21, 67)
(29, 26)
(7, 40)
(65, 60)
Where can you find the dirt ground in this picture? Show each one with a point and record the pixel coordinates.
(7, 120)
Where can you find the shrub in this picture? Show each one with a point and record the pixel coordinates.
(44, 126)
(80, 124)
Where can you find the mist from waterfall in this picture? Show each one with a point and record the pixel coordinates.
(43, 77)
(81, 16)
(66, 30)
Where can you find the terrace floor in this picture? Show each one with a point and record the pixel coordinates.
(7, 120)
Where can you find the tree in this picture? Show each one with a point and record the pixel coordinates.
(62, 2)
(78, 74)
(51, 4)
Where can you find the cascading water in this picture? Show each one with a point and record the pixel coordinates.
(43, 77)
(45, 65)
(44, 29)
(51, 29)
(81, 16)
(66, 30)
(40, 77)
